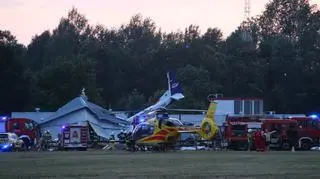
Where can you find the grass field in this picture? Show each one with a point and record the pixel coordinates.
(188, 164)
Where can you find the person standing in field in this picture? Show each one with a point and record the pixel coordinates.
(292, 134)
(259, 141)
(250, 139)
(268, 138)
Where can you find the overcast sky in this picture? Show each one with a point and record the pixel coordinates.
(25, 18)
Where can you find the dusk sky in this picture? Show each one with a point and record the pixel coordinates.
(25, 18)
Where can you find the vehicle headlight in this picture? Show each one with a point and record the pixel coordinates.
(7, 146)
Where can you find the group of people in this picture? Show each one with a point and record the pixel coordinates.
(260, 139)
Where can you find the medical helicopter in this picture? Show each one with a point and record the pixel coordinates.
(162, 131)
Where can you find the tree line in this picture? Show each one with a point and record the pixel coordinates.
(273, 56)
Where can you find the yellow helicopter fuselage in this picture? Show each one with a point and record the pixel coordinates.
(169, 130)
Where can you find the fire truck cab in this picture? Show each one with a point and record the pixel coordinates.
(309, 131)
(284, 133)
(25, 128)
(236, 130)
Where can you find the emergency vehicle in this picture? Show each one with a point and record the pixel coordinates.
(74, 137)
(10, 142)
(308, 129)
(25, 128)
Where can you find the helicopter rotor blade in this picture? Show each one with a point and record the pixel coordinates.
(187, 110)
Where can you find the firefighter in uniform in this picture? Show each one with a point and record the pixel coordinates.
(112, 142)
(122, 137)
(45, 140)
(130, 142)
(162, 114)
(250, 139)
(112, 138)
(259, 141)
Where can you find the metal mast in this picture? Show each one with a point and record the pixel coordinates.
(246, 9)
(246, 32)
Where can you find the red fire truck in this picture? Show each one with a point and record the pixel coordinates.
(74, 137)
(308, 129)
(25, 128)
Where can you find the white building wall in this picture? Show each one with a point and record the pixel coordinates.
(225, 107)
(246, 106)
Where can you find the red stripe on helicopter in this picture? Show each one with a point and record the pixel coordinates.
(171, 129)
(158, 137)
(162, 132)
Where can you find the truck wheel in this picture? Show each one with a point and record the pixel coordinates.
(23, 147)
(306, 145)
(11, 149)
(286, 145)
(14, 148)
(82, 149)
(26, 143)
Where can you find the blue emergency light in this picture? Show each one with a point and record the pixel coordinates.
(314, 116)
(4, 118)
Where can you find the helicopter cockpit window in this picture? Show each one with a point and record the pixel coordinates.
(172, 122)
(177, 122)
(162, 116)
(142, 130)
(169, 123)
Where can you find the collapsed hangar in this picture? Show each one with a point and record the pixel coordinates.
(78, 111)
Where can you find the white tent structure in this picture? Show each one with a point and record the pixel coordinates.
(81, 111)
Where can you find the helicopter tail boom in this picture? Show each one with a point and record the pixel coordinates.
(208, 127)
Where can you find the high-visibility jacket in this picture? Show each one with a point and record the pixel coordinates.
(47, 136)
(250, 137)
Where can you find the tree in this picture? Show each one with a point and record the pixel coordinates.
(14, 92)
(195, 82)
(289, 35)
(39, 51)
(289, 17)
(133, 101)
(63, 80)
(123, 67)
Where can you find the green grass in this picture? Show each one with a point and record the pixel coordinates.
(191, 164)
